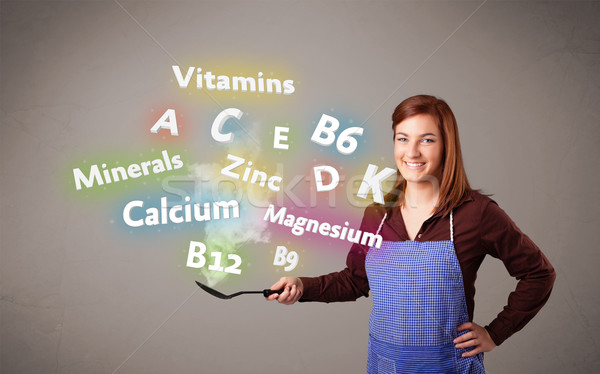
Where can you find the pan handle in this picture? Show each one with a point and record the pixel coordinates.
(268, 292)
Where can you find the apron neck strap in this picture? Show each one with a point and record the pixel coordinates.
(381, 224)
(451, 227)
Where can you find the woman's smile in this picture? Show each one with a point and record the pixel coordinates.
(414, 165)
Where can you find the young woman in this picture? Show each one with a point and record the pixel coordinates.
(436, 231)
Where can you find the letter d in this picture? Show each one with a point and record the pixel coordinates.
(335, 177)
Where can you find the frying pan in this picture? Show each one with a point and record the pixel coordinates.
(216, 293)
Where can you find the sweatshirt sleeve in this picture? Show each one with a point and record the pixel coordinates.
(350, 283)
(523, 259)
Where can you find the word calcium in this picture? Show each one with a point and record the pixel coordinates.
(180, 213)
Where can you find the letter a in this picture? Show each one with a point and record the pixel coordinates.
(167, 121)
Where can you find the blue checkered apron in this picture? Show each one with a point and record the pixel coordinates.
(418, 302)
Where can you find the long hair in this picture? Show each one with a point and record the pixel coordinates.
(454, 186)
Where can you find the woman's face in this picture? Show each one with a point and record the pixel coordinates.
(418, 148)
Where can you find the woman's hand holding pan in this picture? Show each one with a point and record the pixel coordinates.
(292, 290)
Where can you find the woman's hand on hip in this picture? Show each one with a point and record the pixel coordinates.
(477, 337)
(292, 290)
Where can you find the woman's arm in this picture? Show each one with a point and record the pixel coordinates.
(523, 260)
(346, 285)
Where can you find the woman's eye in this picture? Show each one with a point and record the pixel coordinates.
(428, 140)
(401, 139)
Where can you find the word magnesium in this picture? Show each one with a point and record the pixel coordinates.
(300, 225)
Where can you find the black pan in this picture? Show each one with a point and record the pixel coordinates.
(216, 293)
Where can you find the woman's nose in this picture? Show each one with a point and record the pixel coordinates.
(413, 150)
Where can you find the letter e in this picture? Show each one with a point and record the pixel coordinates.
(277, 138)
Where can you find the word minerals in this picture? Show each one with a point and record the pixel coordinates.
(120, 173)
(179, 213)
(300, 225)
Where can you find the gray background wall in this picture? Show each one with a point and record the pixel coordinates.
(83, 81)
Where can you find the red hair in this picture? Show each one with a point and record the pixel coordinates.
(454, 186)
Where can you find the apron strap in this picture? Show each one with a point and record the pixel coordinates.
(451, 227)
(381, 224)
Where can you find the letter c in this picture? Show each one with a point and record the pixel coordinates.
(220, 120)
(127, 213)
(271, 183)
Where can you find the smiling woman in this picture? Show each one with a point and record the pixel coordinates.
(431, 122)
(436, 232)
(418, 148)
